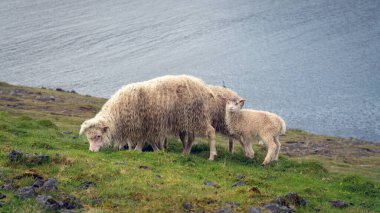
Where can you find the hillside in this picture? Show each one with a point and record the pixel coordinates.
(39, 146)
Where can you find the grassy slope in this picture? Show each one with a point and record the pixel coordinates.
(161, 181)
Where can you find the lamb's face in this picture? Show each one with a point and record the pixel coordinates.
(234, 105)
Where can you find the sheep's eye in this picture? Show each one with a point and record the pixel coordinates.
(236, 103)
(98, 136)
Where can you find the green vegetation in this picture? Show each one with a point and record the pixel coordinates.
(129, 181)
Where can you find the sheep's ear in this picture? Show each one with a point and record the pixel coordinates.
(82, 129)
(223, 98)
(242, 101)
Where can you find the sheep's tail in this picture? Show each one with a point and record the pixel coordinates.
(283, 126)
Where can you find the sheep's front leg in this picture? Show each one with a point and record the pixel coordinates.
(230, 145)
(211, 138)
(139, 146)
(155, 147)
(189, 144)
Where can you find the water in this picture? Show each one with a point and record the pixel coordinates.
(315, 63)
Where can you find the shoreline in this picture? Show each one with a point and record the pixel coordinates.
(58, 89)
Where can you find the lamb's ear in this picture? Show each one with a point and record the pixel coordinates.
(242, 101)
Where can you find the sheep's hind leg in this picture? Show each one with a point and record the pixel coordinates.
(211, 138)
(182, 137)
(271, 149)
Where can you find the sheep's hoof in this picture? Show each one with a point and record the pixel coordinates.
(250, 156)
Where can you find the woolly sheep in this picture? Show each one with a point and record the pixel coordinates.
(244, 124)
(151, 110)
(217, 113)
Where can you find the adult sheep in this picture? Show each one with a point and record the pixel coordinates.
(217, 113)
(151, 110)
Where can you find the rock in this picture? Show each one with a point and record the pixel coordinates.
(338, 204)
(59, 90)
(47, 202)
(275, 208)
(87, 184)
(2, 196)
(254, 210)
(143, 167)
(68, 132)
(15, 156)
(240, 177)
(224, 210)
(68, 211)
(233, 204)
(24, 158)
(280, 200)
(294, 199)
(38, 183)
(70, 202)
(209, 183)
(187, 206)
(239, 183)
(291, 198)
(26, 192)
(49, 185)
(9, 186)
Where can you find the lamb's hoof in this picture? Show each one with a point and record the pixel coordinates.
(212, 157)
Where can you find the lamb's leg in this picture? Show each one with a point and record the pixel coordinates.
(211, 138)
(277, 141)
(231, 145)
(261, 143)
(271, 149)
(189, 144)
(182, 136)
(246, 142)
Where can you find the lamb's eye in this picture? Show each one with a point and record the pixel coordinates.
(236, 103)
(98, 137)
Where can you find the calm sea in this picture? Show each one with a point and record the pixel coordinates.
(316, 63)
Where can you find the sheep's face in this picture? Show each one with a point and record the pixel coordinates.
(96, 135)
(234, 105)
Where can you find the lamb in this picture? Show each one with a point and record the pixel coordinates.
(244, 124)
(217, 113)
(151, 110)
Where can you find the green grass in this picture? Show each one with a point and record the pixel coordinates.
(163, 181)
(129, 181)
